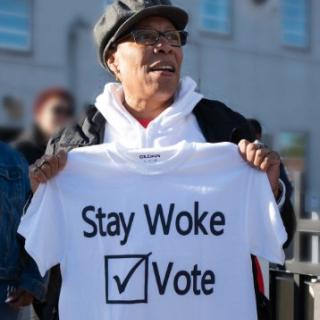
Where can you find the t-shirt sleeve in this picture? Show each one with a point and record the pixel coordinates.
(42, 227)
(265, 229)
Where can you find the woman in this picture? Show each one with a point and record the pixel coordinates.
(53, 109)
(140, 42)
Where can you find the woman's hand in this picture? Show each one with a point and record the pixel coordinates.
(46, 168)
(262, 158)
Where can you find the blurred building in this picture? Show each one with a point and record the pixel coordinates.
(47, 43)
(261, 57)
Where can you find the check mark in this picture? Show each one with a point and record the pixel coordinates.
(122, 285)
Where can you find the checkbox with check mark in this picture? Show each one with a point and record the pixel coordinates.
(127, 278)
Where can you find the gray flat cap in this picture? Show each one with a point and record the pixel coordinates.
(122, 15)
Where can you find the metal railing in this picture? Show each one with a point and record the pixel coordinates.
(295, 291)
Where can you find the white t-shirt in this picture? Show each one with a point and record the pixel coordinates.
(162, 233)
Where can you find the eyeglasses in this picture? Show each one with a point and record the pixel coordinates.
(149, 37)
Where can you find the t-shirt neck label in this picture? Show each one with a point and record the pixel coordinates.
(151, 160)
(149, 157)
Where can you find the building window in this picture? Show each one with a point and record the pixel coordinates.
(15, 24)
(215, 16)
(295, 23)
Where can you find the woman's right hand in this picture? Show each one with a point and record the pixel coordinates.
(46, 168)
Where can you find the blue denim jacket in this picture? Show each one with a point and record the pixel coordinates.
(16, 265)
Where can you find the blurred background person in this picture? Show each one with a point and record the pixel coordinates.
(20, 280)
(53, 109)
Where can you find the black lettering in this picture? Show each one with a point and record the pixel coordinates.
(113, 226)
(208, 278)
(198, 220)
(177, 277)
(195, 273)
(126, 227)
(90, 222)
(159, 213)
(187, 215)
(162, 285)
(100, 216)
(217, 219)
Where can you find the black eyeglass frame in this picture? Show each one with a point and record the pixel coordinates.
(133, 34)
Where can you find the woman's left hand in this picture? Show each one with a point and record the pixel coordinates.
(262, 158)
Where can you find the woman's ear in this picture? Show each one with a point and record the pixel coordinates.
(111, 62)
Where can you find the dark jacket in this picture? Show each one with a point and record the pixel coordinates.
(217, 122)
(16, 266)
(31, 143)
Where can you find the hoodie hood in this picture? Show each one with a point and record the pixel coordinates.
(174, 124)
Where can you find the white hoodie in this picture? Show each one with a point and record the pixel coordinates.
(174, 124)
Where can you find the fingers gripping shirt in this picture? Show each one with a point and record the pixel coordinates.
(152, 233)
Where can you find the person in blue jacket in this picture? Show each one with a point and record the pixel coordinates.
(20, 280)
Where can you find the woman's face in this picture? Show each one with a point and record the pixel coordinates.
(54, 114)
(135, 65)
